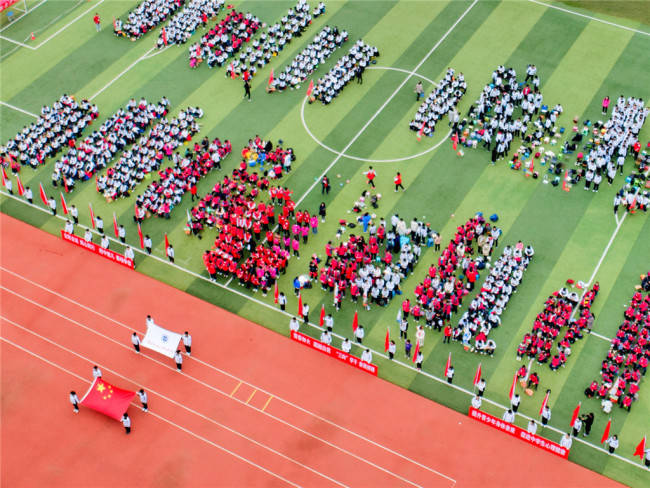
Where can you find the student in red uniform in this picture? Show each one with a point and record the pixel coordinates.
(98, 22)
(370, 176)
(398, 181)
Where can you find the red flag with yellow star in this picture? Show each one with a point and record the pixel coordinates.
(107, 399)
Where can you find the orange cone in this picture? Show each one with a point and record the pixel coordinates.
(33, 36)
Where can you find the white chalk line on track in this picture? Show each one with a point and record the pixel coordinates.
(221, 392)
(243, 381)
(150, 412)
(387, 101)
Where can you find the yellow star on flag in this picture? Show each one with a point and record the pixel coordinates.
(101, 387)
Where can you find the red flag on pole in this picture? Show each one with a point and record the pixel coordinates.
(448, 364)
(107, 399)
(19, 184)
(64, 207)
(41, 192)
(416, 351)
(545, 402)
(606, 432)
(565, 185)
(477, 375)
(140, 236)
(232, 70)
(166, 243)
(513, 387)
(271, 77)
(117, 234)
(4, 177)
(164, 36)
(387, 340)
(322, 315)
(355, 321)
(421, 131)
(299, 304)
(576, 412)
(640, 448)
(276, 293)
(310, 88)
(65, 184)
(92, 215)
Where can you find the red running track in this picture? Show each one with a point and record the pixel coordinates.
(251, 408)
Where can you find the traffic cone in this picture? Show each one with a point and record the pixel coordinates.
(33, 37)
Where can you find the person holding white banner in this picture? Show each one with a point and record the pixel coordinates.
(187, 342)
(178, 357)
(135, 340)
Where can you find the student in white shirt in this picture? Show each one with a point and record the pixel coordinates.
(392, 347)
(74, 211)
(566, 441)
(328, 321)
(29, 196)
(326, 337)
(69, 227)
(179, 360)
(170, 253)
(74, 399)
(129, 254)
(346, 345)
(612, 443)
(418, 360)
(294, 324)
(282, 301)
(305, 313)
(187, 342)
(135, 340)
(144, 400)
(97, 373)
(532, 427)
(577, 426)
(105, 242)
(126, 422)
(88, 235)
(546, 415)
(508, 416)
(359, 334)
(477, 402)
(147, 243)
(52, 204)
(514, 403)
(366, 356)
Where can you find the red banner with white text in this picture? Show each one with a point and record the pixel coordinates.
(92, 247)
(335, 353)
(519, 433)
(5, 4)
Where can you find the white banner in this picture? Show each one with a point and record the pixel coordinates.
(161, 340)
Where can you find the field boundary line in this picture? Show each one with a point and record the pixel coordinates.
(45, 41)
(590, 17)
(387, 101)
(13, 107)
(18, 43)
(232, 376)
(209, 387)
(232, 453)
(22, 16)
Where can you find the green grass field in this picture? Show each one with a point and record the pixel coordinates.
(580, 60)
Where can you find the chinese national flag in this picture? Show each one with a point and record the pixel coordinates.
(107, 399)
(140, 236)
(576, 412)
(41, 192)
(355, 321)
(310, 88)
(416, 351)
(19, 184)
(92, 215)
(640, 448)
(447, 365)
(322, 315)
(387, 339)
(271, 77)
(64, 207)
(513, 388)
(276, 293)
(477, 375)
(299, 304)
(117, 234)
(606, 433)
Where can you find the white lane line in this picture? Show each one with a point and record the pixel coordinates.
(226, 373)
(21, 44)
(387, 101)
(13, 107)
(207, 385)
(69, 24)
(158, 416)
(596, 19)
(287, 314)
(126, 70)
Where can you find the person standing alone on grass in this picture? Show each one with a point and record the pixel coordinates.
(147, 244)
(126, 422)
(370, 176)
(51, 202)
(450, 374)
(187, 342)
(247, 90)
(29, 195)
(170, 253)
(419, 91)
(135, 340)
(398, 181)
(178, 358)
(74, 399)
(98, 22)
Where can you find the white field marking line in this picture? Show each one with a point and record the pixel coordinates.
(207, 385)
(315, 326)
(600, 336)
(158, 416)
(22, 16)
(616, 218)
(590, 17)
(387, 101)
(226, 373)
(160, 51)
(13, 107)
(21, 44)
(69, 24)
(366, 160)
(126, 70)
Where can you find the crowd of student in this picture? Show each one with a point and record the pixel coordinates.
(272, 41)
(273, 161)
(627, 358)
(484, 311)
(444, 98)
(96, 150)
(145, 17)
(162, 195)
(57, 127)
(148, 154)
(225, 39)
(633, 195)
(441, 293)
(183, 25)
(557, 321)
(322, 46)
(349, 67)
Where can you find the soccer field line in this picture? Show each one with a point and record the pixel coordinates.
(208, 386)
(596, 19)
(315, 326)
(149, 412)
(18, 43)
(42, 43)
(230, 375)
(387, 101)
(17, 109)
(22, 16)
